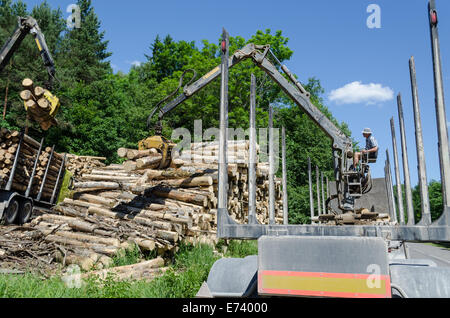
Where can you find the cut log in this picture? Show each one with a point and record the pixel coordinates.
(142, 271)
(38, 92)
(180, 196)
(95, 199)
(151, 161)
(97, 185)
(136, 154)
(43, 103)
(92, 177)
(74, 223)
(107, 250)
(89, 238)
(27, 83)
(190, 182)
(122, 152)
(26, 95)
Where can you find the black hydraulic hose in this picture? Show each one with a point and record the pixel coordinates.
(180, 84)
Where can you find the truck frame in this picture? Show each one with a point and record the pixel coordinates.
(321, 260)
(18, 206)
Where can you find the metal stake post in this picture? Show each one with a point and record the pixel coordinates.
(271, 170)
(421, 166)
(285, 192)
(391, 187)
(318, 190)
(311, 196)
(401, 211)
(323, 193)
(252, 159)
(223, 160)
(408, 193)
(444, 157)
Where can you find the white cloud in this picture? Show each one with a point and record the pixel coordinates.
(358, 93)
(135, 63)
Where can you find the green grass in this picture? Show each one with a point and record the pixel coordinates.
(441, 245)
(184, 278)
(65, 192)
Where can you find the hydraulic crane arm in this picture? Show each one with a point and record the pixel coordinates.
(342, 145)
(25, 26)
(258, 54)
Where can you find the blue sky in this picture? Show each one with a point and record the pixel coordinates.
(330, 40)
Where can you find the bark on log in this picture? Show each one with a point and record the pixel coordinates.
(27, 83)
(142, 271)
(95, 199)
(149, 161)
(137, 154)
(107, 250)
(96, 185)
(180, 196)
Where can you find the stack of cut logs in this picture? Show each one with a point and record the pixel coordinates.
(79, 165)
(9, 143)
(135, 203)
(38, 107)
(206, 154)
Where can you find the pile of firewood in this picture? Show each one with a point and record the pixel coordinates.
(206, 154)
(9, 144)
(121, 205)
(79, 165)
(34, 248)
(37, 105)
(22, 249)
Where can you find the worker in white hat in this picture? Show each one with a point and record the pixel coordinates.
(371, 147)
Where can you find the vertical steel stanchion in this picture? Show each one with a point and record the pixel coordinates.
(271, 169)
(323, 193)
(318, 191)
(421, 166)
(401, 211)
(391, 187)
(223, 160)
(408, 193)
(285, 192)
(441, 118)
(252, 159)
(311, 195)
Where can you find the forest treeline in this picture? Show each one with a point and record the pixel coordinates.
(102, 111)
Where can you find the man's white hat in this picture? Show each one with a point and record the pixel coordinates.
(367, 131)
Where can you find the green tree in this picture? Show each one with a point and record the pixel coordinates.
(436, 201)
(304, 139)
(84, 50)
(26, 62)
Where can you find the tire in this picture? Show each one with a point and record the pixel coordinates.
(12, 211)
(25, 212)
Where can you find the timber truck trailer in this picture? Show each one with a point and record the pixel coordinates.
(16, 207)
(322, 260)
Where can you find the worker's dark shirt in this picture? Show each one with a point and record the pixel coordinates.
(371, 143)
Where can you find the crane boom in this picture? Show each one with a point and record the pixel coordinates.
(340, 140)
(342, 145)
(28, 25)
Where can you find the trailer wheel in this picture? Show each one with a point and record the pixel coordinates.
(25, 212)
(12, 211)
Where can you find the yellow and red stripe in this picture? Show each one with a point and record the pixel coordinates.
(322, 284)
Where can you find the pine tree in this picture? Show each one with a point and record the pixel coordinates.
(84, 49)
(26, 61)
